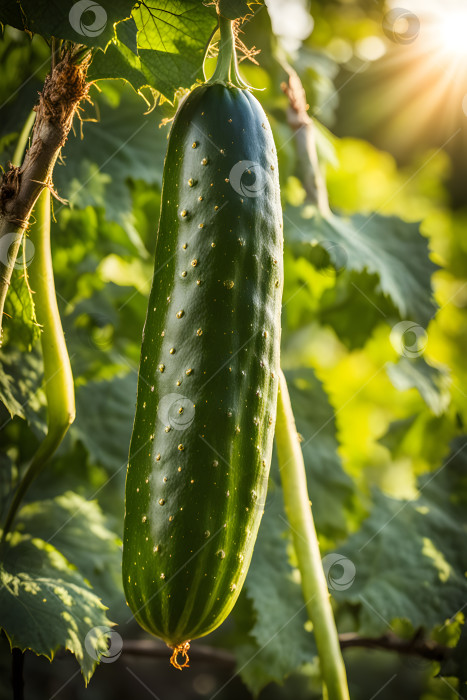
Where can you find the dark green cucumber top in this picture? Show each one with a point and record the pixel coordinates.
(202, 438)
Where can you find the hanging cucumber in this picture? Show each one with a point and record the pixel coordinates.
(58, 379)
(207, 389)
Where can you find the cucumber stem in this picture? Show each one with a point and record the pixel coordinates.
(226, 71)
(298, 509)
(58, 377)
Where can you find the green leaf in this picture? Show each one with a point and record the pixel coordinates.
(78, 529)
(111, 405)
(432, 383)
(172, 40)
(86, 23)
(20, 321)
(232, 9)
(354, 307)
(386, 246)
(409, 555)
(396, 433)
(47, 605)
(6, 476)
(20, 381)
(10, 13)
(127, 34)
(454, 665)
(118, 61)
(423, 437)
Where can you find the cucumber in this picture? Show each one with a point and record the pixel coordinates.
(202, 438)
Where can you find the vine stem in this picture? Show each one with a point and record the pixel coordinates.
(417, 645)
(23, 139)
(298, 509)
(20, 187)
(305, 141)
(58, 376)
(226, 71)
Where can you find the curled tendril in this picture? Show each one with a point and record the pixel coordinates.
(183, 650)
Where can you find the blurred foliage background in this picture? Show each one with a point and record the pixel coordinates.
(378, 423)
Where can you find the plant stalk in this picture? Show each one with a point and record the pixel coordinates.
(226, 71)
(23, 139)
(58, 376)
(298, 509)
(20, 187)
(305, 141)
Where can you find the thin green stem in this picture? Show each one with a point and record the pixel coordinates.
(226, 71)
(298, 509)
(23, 139)
(58, 377)
(226, 50)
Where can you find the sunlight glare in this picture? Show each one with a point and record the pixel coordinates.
(453, 32)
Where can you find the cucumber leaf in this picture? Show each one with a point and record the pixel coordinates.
(47, 605)
(78, 529)
(172, 40)
(110, 404)
(420, 577)
(431, 382)
(84, 22)
(20, 381)
(392, 249)
(20, 321)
